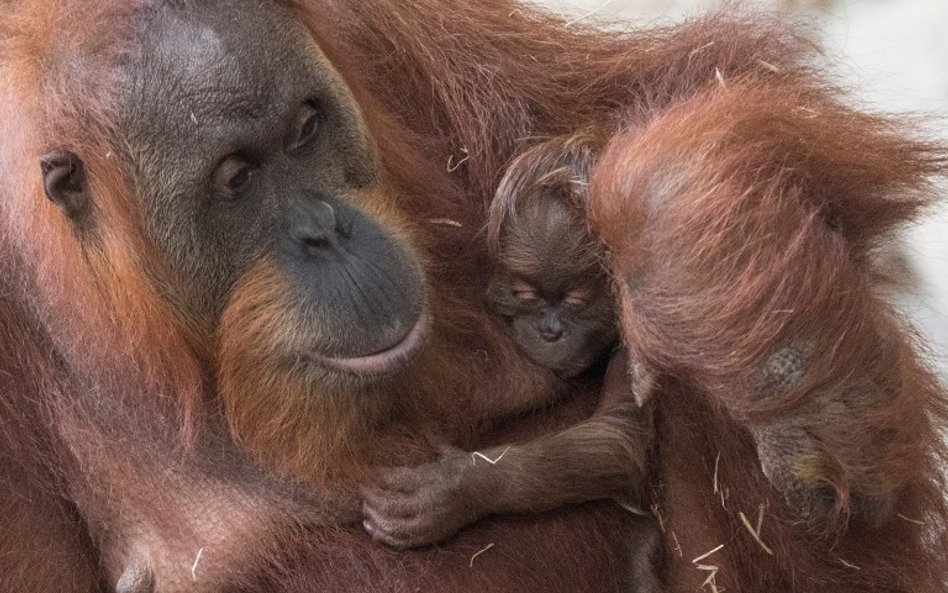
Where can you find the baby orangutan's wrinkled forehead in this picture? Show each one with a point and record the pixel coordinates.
(546, 239)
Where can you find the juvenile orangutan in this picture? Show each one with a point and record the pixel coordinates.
(549, 282)
(550, 287)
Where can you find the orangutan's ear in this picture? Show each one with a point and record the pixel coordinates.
(64, 179)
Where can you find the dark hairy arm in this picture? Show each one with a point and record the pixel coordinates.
(603, 457)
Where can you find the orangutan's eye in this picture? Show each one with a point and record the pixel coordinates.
(524, 292)
(231, 177)
(307, 126)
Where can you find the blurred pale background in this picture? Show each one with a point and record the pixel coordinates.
(893, 54)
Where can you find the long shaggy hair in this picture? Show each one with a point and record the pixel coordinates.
(111, 403)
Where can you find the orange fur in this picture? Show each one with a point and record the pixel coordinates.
(744, 221)
(110, 397)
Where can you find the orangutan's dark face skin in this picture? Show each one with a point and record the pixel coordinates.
(550, 288)
(257, 151)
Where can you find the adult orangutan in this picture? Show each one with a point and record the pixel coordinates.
(241, 265)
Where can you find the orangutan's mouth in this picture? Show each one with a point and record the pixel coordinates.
(383, 362)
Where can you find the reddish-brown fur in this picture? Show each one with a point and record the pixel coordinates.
(109, 398)
(742, 221)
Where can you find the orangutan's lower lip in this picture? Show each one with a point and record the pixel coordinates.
(380, 363)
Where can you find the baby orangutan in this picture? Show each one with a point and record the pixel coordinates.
(549, 282)
(550, 287)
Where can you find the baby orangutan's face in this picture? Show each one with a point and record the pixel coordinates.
(550, 287)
